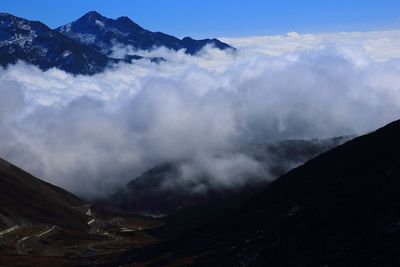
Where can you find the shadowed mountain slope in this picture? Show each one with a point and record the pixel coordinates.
(341, 208)
(25, 199)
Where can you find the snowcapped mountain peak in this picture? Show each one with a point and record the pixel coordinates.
(6, 20)
(18, 31)
(93, 15)
(35, 43)
(88, 23)
(103, 33)
(127, 21)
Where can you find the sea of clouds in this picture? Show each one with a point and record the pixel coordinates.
(92, 134)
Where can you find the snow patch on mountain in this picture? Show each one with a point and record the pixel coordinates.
(99, 23)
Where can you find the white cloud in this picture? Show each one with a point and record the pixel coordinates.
(378, 45)
(92, 133)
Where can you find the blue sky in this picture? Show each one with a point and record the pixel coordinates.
(214, 18)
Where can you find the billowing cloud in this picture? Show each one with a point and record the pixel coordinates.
(92, 134)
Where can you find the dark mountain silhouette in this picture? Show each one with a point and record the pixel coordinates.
(103, 34)
(341, 208)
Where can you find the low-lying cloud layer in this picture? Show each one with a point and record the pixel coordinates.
(93, 134)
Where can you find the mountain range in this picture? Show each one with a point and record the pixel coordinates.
(85, 45)
(103, 34)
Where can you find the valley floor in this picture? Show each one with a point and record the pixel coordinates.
(110, 234)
